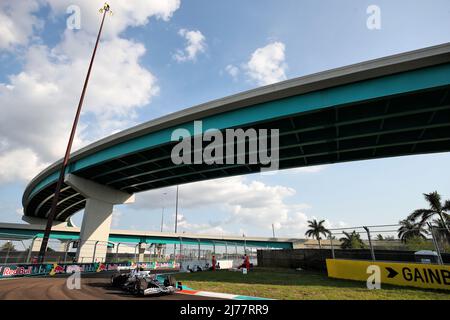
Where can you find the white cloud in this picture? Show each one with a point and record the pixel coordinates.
(267, 65)
(19, 164)
(19, 212)
(302, 170)
(248, 204)
(18, 19)
(41, 99)
(17, 22)
(195, 44)
(311, 169)
(232, 70)
(125, 13)
(116, 216)
(204, 228)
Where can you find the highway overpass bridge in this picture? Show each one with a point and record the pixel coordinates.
(129, 241)
(15, 231)
(394, 106)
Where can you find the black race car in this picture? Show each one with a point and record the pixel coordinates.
(140, 282)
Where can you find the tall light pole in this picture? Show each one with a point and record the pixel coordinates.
(62, 172)
(176, 212)
(176, 224)
(162, 212)
(273, 230)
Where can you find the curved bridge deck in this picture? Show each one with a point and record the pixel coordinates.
(394, 106)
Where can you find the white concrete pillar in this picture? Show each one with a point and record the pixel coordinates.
(36, 245)
(141, 252)
(94, 231)
(96, 224)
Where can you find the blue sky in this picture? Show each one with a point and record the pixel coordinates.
(138, 77)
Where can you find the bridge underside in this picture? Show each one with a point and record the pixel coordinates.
(20, 233)
(397, 125)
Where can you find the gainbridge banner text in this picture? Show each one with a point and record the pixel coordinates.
(429, 276)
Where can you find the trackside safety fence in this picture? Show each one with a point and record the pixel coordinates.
(16, 250)
(375, 243)
(428, 245)
(51, 269)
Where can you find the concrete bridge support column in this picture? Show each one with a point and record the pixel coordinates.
(97, 217)
(36, 244)
(142, 247)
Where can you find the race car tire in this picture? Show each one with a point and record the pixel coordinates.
(117, 280)
(114, 281)
(170, 281)
(140, 285)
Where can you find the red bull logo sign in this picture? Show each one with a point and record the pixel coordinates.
(15, 271)
(55, 268)
(7, 271)
(101, 267)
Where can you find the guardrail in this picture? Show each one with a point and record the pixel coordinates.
(51, 269)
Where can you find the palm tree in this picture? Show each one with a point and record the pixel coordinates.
(440, 230)
(409, 230)
(352, 241)
(436, 208)
(8, 246)
(316, 229)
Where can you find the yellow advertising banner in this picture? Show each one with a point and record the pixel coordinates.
(429, 276)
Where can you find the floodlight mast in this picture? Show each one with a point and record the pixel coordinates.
(51, 215)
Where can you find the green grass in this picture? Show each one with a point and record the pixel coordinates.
(300, 285)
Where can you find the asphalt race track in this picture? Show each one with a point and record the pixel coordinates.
(93, 287)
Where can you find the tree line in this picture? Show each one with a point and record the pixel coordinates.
(414, 229)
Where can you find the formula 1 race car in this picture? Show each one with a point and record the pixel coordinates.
(140, 282)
